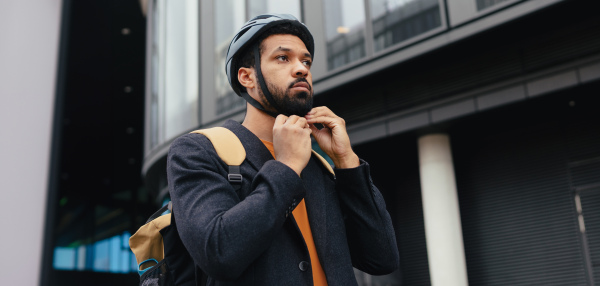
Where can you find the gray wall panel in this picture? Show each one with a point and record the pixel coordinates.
(367, 133)
(453, 110)
(589, 73)
(501, 97)
(409, 122)
(551, 83)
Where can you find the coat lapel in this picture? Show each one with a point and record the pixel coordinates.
(315, 203)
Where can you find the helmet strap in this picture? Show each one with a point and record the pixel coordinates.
(263, 84)
(256, 104)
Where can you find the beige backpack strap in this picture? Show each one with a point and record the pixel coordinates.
(232, 152)
(325, 163)
(227, 144)
(229, 148)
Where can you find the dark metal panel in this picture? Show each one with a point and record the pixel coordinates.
(395, 171)
(584, 169)
(519, 217)
(95, 185)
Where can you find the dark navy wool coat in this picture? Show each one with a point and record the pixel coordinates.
(249, 237)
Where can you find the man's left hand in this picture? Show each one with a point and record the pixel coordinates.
(333, 138)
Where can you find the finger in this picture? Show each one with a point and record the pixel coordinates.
(313, 128)
(319, 134)
(292, 119)
(320, 117)
(302, 122)
(321, 111)
(280, 119)
(319, 126)
(325, 120)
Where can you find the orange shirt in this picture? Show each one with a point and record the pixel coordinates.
(301, 217)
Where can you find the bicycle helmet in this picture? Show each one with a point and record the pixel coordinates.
(246, 38)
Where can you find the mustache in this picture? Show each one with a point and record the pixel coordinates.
(301, 79)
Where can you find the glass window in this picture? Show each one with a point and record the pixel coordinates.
(174, 69)
(181, 67)
(344, 31)
(482, 4)
(258, 7)
(230, 15)
(155, 76)
(108, 255)
(395, 21)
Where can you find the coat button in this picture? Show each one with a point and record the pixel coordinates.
(303, 266)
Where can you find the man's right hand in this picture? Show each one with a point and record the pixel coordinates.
(291, 141)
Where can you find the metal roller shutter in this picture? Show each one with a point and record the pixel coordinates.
(584, 175)
(517, 180)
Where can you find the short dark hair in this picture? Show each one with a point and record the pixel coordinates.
(246, 56)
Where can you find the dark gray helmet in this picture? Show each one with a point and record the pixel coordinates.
(246, 37)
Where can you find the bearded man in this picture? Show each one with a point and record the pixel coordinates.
(290, 222)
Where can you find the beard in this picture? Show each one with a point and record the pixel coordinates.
(299, 104)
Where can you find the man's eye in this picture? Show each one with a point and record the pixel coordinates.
(281, 58)
(307, 63)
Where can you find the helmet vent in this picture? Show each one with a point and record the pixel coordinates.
(241, 33)
(260, 17)
(249, 23)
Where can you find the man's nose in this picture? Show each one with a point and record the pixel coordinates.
(300, 69)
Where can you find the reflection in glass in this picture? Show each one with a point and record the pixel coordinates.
(258, 7)
(181, 67)
(482, 4)
(395, 21)
(174, 64)
(108, 255)
(230, 15)
(344, 31)
(154, 70)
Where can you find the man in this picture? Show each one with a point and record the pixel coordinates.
(291, 222)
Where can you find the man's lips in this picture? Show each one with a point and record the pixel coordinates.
(302, 85)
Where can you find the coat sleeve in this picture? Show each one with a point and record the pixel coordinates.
(369, 229)
(224, 234)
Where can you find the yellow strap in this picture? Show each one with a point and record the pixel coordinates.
(231, 150)
(226, 143)
(324, 162)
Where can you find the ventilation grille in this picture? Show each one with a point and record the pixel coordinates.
(518, 213)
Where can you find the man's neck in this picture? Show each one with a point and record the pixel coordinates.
(259, 123)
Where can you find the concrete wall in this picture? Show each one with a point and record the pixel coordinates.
(29, 39)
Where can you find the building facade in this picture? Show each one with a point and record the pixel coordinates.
(478, 118)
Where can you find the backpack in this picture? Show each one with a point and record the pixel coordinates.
(161, 256)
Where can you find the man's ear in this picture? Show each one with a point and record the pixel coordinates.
(247, 78)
